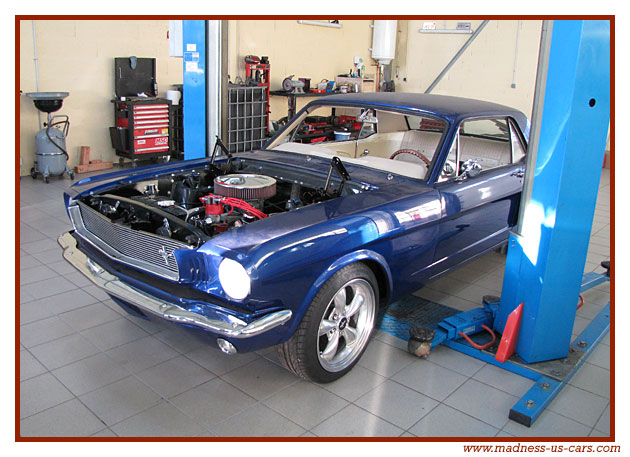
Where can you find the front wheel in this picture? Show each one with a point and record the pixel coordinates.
(336, 328)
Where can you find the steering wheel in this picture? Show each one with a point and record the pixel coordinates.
(413, 152)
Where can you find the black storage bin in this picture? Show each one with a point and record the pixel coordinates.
(120, 138)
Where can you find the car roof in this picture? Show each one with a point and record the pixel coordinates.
(453, 108)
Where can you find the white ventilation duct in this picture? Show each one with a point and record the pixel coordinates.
(384, 41)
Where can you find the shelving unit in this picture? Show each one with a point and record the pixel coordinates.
(247, 118)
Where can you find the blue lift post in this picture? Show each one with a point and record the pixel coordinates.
(194, 69)
(547, 252)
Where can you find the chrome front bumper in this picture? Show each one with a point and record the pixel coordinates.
(221, 323)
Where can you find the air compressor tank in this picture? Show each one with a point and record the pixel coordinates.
(51, 158)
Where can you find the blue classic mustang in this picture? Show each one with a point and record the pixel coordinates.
(359, 200)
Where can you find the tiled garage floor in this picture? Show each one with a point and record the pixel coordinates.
(88, 369)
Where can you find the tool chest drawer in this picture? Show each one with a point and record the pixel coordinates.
(146, 123)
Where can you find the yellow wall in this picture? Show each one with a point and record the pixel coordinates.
(77, 57)
(303, 50)
(485, 69)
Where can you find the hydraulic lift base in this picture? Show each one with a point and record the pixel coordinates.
(550, 376)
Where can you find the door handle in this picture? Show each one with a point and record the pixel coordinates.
(518, 173)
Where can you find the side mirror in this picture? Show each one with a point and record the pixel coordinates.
(368, 117)
(473, 173)
(470, 168)
(449, 170)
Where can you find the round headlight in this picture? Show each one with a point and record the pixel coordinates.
(234, 279)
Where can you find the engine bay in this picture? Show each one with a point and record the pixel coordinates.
(196, 205)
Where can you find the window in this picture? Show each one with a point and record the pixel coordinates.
(518, 151)
(486, 142)
(327, 124)
(392, 141)
(424, 123)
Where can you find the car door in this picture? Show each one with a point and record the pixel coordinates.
(479, 189)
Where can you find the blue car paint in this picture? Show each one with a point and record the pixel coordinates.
(454, 109)
(479, 209)
(381, 233)
(402, 225)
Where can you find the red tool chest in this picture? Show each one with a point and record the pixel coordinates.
(142, 128)
(142, 121)
(150, 128)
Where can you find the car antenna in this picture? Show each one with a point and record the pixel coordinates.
(337, 165)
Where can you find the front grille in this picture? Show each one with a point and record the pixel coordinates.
(141, 249)
(179, 290)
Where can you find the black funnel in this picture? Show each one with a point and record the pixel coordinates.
(48, 102)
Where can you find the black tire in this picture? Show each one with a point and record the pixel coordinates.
(46, 179)
(71, 175)
(300, 354)
(503, 249)
(33, 173)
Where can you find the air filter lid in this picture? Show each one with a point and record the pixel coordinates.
(245, 186)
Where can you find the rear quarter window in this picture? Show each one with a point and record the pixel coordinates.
(486, 141)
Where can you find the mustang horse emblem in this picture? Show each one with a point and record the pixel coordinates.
(165, 254)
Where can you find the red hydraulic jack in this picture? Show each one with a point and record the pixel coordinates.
(510, 335)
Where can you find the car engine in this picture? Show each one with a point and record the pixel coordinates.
(195, 206)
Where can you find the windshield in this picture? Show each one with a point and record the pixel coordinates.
(385, 140)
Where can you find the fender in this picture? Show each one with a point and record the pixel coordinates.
(338, 264)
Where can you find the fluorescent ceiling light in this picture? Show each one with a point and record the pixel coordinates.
(321, 23)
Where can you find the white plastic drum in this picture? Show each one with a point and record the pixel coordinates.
(173, 96)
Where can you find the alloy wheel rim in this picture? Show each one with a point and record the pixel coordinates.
(346, 325)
